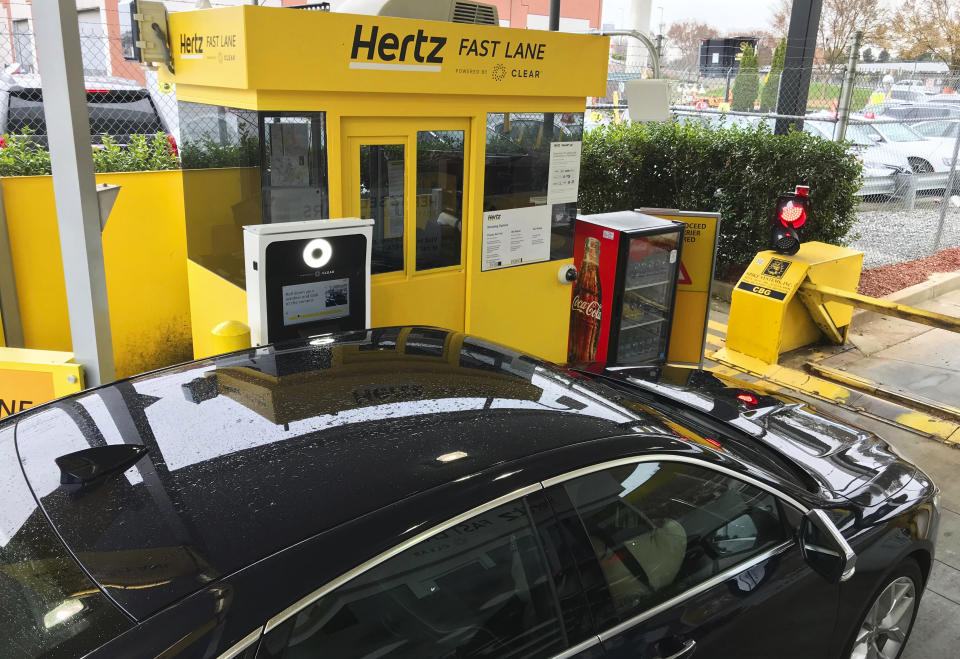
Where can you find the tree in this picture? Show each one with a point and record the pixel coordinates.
(867, 55)
(686, 37)
(768, 96)
(884, 56)
(839, 19)
(928, 26)
(747, 83)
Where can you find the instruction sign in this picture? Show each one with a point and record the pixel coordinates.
(564, 179)
(700, 238)
(516, 236)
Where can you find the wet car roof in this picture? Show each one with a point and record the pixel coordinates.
(253, 452)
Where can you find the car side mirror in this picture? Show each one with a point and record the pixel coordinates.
(825, 549)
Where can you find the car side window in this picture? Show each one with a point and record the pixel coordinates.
(479, 589)
(660, 528)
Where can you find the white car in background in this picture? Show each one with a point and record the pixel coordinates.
(925, 156)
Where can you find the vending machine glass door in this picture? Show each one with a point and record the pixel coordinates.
(647, 298)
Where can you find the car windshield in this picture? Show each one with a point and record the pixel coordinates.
(861, 134)
(930, 129)
(118, 113)
(898, 133)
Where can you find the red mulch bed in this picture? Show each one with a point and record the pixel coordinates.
(886, 279)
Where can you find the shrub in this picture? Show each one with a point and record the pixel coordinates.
(22, 155)
(747, 83)
(208, 153)
(736, 171)
(768, 95)
(144, 153)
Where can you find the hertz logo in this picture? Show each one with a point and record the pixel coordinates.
(410, 52)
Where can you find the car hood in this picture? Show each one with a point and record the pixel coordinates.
(844, 461)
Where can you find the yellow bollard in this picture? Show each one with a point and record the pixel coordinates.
(230, 335)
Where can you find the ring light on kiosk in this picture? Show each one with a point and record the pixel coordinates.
(307, 278)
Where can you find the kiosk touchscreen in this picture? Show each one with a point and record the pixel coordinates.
(306, 278)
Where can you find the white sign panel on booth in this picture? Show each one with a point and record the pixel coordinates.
(515, 237)
(564, 180)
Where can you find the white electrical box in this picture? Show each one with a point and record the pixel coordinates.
(307, 278)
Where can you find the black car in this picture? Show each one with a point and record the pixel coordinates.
(415, 492)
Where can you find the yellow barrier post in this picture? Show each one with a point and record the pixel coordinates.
(230, 336)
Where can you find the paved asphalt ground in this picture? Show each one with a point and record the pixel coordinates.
(925, 361)
(936, 632)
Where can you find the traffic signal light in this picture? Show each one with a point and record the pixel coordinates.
(788, 216)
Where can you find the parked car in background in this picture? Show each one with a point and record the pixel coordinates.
(414, 492)
(925, 156)
(910, 112)
(117, 107)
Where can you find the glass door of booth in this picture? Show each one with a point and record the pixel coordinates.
(408, 175)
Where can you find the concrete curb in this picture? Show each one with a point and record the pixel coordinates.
(938, 284)
(722, 290)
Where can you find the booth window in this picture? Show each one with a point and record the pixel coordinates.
(294, 170)
(214, 136)
(439, 198)
(518, 168)
(381, 199)
(220, 156)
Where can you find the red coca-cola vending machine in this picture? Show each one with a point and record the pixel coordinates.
(621, 310)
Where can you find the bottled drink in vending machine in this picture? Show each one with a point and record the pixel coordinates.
(586, 307)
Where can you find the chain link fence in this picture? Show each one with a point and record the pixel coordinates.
(903, 121)
(903, 124)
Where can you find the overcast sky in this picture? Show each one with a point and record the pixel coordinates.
(723, 15)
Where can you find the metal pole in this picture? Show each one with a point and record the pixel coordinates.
(846, 92)
(798, 62)
(78, 210)
(726, 94)
(951, 181)
(640, 36)
(555, 27)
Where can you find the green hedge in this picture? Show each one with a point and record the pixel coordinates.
(737, 171)
(20, 155)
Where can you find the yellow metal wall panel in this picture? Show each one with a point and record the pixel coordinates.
(213, 300)
(525, 307)
(275, 48)
(144, 252)
(37, 265)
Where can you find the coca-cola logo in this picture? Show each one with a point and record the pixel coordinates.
(591, 308)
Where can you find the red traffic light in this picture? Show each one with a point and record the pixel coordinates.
(793, 214)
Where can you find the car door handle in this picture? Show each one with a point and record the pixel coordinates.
(684, 652)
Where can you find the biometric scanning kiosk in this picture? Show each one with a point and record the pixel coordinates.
(306, 278)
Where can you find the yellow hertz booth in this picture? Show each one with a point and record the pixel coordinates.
(444, 134)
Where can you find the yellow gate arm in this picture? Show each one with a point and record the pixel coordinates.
(815, 295)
